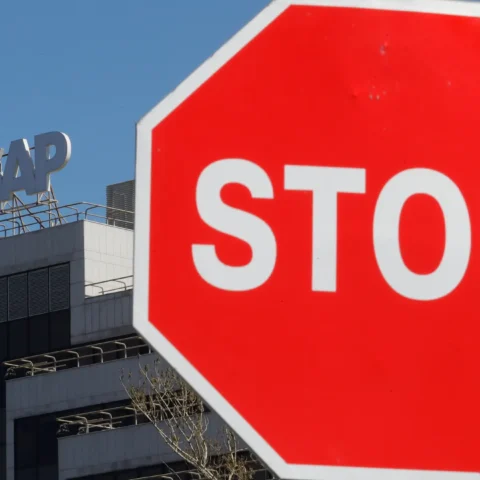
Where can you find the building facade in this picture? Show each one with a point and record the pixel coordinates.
(66, 337)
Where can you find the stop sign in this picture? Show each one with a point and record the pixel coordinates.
(305, 255)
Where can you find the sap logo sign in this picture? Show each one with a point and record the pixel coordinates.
(19, 173)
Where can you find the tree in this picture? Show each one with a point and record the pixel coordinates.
(182, 420)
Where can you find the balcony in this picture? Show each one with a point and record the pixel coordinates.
(117, 449)
(172, 405)
(100, 420)
(76, 357)
(73, 378)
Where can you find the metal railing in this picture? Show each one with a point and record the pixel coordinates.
(75, 357)
(47, 216)
(174, 404)
(119, 284)
(100, 420)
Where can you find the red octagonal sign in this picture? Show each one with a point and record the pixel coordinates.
(305, 255)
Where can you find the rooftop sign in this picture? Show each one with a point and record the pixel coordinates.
(20, 173)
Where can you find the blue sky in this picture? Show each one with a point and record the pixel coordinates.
(93, 68)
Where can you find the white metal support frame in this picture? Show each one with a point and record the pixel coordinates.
(142, 247)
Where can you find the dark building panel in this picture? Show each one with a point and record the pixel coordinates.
(3, 341)
(3, 299)
(39, 334)
(59, 287)
(18, 338)
(34, 319)
(26, 438)
(17, 296)
(59, 330)
(38, 292)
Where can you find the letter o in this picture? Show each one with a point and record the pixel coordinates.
(386, 223)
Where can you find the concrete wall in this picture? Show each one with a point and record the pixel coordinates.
(103, 316)
(41, 248)
(107, 254)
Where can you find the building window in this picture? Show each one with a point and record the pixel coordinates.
(35, 311)
(59, 328)
(35, 292)
(34, 318)
(36, 447)
(38, 334)
(3, 299)
(18, 338)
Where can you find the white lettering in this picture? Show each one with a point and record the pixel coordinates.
(21, 174)
(325, 183)
(386, 222)
(44, 165)
(19, 160)
(235, 222)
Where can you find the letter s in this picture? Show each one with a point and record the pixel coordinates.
(235, 222)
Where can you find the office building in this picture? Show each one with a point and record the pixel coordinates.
(65, 328)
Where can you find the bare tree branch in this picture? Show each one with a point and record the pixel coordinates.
(181, 419)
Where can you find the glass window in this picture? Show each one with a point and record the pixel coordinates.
(47, 472)
(38, 292)
(126, 475)
(3, 398)
(3, 426)
(3, 299)
(18, 338)
(26, 474)
(3, 342)
(3, 458)
(34, 293)
(47, 446)
(38, 332)
(25, 443)
(17, 296)
(59, 330)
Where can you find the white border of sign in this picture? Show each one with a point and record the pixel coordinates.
(142, 234)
